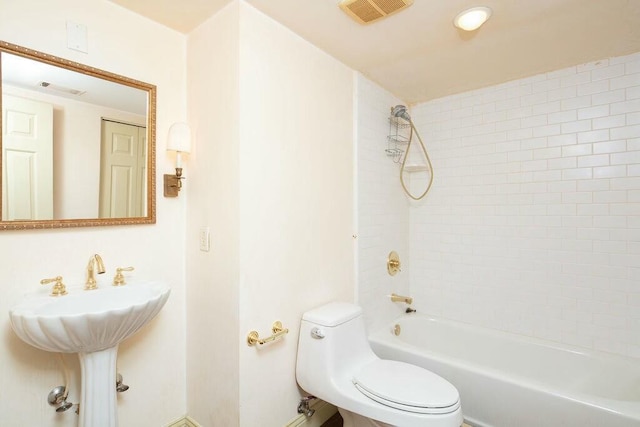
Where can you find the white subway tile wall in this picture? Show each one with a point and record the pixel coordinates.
(383, 211)
(533, 222)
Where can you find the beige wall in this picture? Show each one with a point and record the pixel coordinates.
(153, 361)
(272, 177)
(270, 173)
(296, 202)
(212, 185)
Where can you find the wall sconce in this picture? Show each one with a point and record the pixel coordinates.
(179, 140)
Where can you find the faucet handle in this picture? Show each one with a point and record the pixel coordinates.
(393, 263)
(58, 289)
(118, 280)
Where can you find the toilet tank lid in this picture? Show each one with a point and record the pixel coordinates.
(332, 314)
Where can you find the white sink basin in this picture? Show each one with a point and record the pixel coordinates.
(92, 324)
(87, 321)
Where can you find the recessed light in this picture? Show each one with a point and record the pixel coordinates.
(472, 19)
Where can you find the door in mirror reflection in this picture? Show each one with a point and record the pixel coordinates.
(122, 170)
(27, 159)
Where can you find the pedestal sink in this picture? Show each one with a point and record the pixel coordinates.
(92, 324)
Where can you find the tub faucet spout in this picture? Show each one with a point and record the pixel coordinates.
(95, 265)
(401, 298)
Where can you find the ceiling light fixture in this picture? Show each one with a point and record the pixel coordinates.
(472, 19)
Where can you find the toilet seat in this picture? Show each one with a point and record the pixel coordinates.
(407, 387)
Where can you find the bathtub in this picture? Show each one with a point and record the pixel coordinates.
(508, 380)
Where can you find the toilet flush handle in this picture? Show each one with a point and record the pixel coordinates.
(317, 333)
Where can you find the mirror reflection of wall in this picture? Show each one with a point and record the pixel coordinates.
(68, 181)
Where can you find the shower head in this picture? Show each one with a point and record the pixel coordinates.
(401, 111)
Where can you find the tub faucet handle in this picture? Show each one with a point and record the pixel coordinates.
(393, 263)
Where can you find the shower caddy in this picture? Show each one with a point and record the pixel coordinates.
(398, 143)
(399, 139)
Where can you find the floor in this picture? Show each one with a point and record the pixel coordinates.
(336, 421)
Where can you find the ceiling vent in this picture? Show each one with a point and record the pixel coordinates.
(62, 89)
(368, 11)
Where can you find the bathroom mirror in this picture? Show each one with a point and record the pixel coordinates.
(77, 144)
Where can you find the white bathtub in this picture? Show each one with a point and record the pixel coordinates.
(507, 380)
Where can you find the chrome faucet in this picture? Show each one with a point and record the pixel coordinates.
(95, 265)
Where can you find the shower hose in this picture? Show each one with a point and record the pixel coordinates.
(404, 161)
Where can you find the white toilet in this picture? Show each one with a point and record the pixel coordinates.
(336, 364)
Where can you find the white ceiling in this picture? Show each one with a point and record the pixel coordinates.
(418, 54)
(28, 74)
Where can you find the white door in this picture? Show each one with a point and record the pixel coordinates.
(122, 170)
(27, 159)
(142, 171)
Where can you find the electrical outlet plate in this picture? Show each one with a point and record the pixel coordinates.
(205, 239)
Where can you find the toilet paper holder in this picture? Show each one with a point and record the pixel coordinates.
(277, 330)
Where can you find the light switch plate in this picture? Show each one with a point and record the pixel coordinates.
(205, 239)
(77, 37)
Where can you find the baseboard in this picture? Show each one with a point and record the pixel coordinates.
(324, 411)
(185, 421)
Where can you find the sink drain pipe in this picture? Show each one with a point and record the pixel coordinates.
(58, 396)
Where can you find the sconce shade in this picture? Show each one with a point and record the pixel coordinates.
(179, 138)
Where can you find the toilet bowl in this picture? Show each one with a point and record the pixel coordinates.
(336, 364)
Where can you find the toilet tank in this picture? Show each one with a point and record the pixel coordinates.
(332, 343)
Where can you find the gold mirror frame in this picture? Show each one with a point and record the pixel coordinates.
(150, 218)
